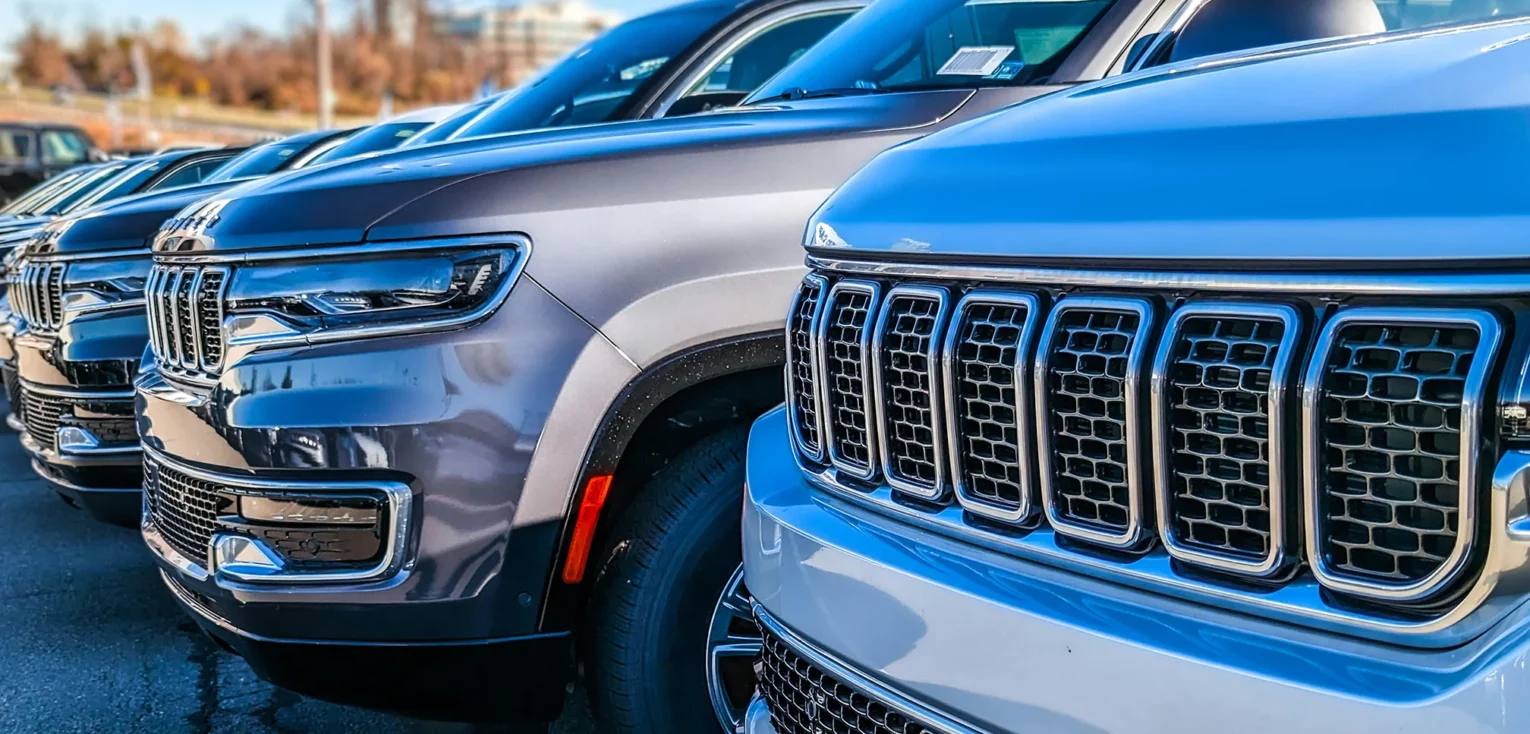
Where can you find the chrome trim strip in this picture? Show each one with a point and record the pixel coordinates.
(1275, 560)
(134, 254)
(194, 320)
(1025, 431)
(848, 675)
(1300, 601)
(1137, 480)
(395, 559)
(873, 291)
(1473, 398)
(816, 455)
(125, 457)
(880, 396)
(380, 247)
(76, 393)
(1319, 283)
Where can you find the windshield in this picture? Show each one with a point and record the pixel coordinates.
(261, 160)
(443, 130)
(387, 136)
(27, 203)
(1409, 14)
(593, 83)
(126, 183)
(88, 184)
(900, 45)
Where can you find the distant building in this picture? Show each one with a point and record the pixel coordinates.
(520, 39)
(397, 20)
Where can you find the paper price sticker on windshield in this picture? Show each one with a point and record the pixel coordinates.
(976, 60)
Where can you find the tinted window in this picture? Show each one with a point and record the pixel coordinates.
(755, 62)
(1404, 14)
(14, 144)
(376, 138)
(262, 160)
(63, 147)
(126, 183)
(594, 83)
(193, 173)
(34, 197)
(919, 44)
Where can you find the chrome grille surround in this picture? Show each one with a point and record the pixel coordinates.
(984, 429)
(37, 294)
(1080, 371)
(802, 375)
(1492, 584)
(844, 361)
(1278, 362)
(1317, 489)
(185, 305)
(905, 355)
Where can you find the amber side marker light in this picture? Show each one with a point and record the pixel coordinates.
(584, 528)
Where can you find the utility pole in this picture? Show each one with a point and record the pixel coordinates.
(326, 91)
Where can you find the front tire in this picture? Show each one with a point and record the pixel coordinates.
(673, 554)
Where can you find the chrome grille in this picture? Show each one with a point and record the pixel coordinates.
(803, 699)
(1396, 393)
(186, 312)
(845, 339)
(42, 414)
(37, 294)
(1194, 447)
(802, 373)
(184, 509)
(906, 349)
(1219, 387)
(1087, 374)
(987, 356)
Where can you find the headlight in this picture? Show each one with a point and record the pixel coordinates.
(263, 300)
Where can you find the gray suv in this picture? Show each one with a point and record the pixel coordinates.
(452, 419)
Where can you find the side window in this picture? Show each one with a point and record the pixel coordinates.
(1403, 14)
(63, 147)
(14, 145)
(192, 174)
(756, 60)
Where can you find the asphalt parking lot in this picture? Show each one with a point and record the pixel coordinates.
(90, 640)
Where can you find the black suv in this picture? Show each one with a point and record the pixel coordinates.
(32, 152)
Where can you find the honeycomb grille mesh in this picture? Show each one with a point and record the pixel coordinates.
(844, 359)
(805, 700)
(1086, 384)
(1391, 433)
(988, 425)
(184, 509)
(41, 414)
(907, 379)
(1219, 382)
(804, 386)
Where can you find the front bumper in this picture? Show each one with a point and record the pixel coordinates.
(984, 642)
(451, 417)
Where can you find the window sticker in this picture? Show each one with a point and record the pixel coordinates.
(976, 60)
(1007, 70)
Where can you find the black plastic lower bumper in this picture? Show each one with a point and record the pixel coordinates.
(515, 679)
(109, 494)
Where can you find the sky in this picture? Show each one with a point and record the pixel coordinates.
(204, 17)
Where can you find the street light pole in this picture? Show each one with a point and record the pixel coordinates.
(326, 91)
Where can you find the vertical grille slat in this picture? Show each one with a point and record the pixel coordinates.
(906, 353)
(987, 359)
(802, 387)
(844, 339)
(1088, 368)
(185, 308)
(37, 294)
(1218, 392)
(1393, 402)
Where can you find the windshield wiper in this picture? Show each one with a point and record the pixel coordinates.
(796, 93)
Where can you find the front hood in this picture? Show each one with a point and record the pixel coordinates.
(124, 224)
(388, 196)
(1393, 153)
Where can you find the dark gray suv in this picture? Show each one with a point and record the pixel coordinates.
(423, 430)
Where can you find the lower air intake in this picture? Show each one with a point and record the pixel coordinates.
(805, 700)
